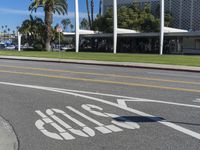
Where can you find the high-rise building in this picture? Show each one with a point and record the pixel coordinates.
(185, 13)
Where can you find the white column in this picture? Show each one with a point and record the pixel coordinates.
(77, 25)
(162, 17)
(19, 41)
(114, 26)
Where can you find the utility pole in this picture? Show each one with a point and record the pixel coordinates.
(162, 20)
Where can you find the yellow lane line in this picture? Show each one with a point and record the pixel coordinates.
(101, 74)
(103, 81)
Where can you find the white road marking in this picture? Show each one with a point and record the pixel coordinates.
(97, 93)
(86, 130)
(197, 101)
(101, 127)
(124, 123)
(174, 75)
(40, 125)
(129, 98)
(163, 122)
(122, 102)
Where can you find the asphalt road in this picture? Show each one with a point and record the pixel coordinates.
(55, 106)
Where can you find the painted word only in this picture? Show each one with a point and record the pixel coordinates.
(67, 132)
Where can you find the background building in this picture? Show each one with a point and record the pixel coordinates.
(185, 13)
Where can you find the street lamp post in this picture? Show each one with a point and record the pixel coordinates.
(19, 41)
(114, 26)
(162, 12)
(77, 25)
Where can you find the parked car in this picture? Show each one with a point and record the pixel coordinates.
(10, 47)
(65, 48)
(2, 46)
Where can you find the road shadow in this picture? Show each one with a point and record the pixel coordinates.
(146, 119)
(185, 123)
(138, 119)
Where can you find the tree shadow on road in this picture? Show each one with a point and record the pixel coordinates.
(138, 119)
(145, 119)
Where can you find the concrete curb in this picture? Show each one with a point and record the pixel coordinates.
(108, 63)
(8, 138)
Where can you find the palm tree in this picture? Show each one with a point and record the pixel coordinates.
(17, 28)
(88, 12)
(92, 11)
(65, 23)
(33, 30)
(50, 7)
(13, 32)
(72, 27)
(100, 7)
(84, 24)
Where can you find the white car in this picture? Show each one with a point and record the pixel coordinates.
(11, 47)
(65, 48)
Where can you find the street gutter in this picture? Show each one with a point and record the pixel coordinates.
(108, 63)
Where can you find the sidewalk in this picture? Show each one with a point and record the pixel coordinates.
(108, 63)
(8, 139)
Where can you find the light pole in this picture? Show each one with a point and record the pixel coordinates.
(19, 41)
(162, 18)
(114, 26)
(77, 25)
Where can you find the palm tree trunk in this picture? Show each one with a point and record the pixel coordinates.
(92, 10)
(48, 22)
(88, 12)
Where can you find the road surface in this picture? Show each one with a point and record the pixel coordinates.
(80, 107)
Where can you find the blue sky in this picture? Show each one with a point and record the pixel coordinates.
(13, 12)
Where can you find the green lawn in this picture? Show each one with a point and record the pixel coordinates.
(143, 58)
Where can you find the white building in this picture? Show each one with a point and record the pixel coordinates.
(185, 13)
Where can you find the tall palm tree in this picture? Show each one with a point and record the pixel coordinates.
(100, 7)
(88, 13)
(92, 11)
(72, 27)
(65, 23)
(50, 7)
(84, 24)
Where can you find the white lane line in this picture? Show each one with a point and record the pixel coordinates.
(140, 113)
(129, 98)
(174, 75)
(122, 102)
(102, 94)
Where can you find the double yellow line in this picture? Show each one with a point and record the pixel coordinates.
(101, 81)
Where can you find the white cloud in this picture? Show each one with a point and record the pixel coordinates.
(38, 13)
